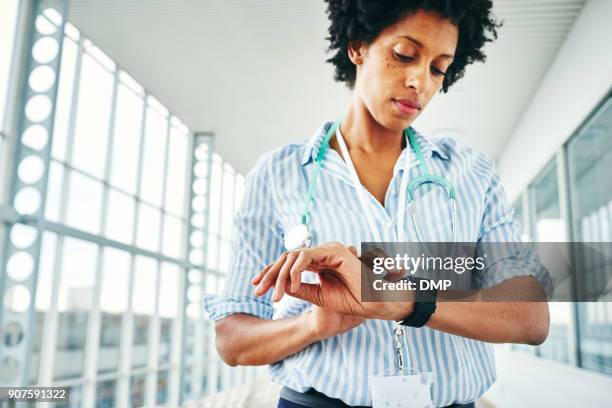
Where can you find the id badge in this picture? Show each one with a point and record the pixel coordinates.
(402, 391)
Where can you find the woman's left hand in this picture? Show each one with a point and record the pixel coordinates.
(340, 286)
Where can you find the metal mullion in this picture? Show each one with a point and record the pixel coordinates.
(152, 346)
(175, 387)
(526, 221)
(565, 196)
(222, 366)
(127, 328)
(154, 323)
(199, 364)
(96, 239)
(14, 97)
(219, 236)
(164, 187)
(196, 374)
(564, 207)
(100, 63)
(94, 319)
(50, 334)
(219, 364)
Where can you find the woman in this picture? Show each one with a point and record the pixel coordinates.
(324, 345)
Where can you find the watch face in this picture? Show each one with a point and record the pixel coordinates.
(298, 237)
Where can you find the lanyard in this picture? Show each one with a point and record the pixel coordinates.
(398, 330)
(362, 192)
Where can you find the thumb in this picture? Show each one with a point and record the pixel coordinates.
(353, 250)
(309, 292)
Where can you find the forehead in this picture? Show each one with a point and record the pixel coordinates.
(436, 33)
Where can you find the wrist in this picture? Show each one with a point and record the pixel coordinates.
(398, 311)
(310, 328)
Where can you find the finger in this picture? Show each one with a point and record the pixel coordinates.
(309, 292)
(270, 277)
(301, 263)
(296, 272)
(281, 280)
(261, 274)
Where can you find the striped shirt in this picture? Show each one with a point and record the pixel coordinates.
(339, 366)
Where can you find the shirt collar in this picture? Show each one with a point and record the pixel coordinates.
(428, 147)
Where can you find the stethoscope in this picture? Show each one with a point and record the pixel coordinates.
(300, 236)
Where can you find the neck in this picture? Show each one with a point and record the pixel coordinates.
(361, 131)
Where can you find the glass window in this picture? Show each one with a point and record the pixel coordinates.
(84, 203)
(162, 387)
(137, 390)
(120, 217)
(212, 252)
(55, 191)
(126, 141)
(105, 394)
(168, 307)
(92, 117)
(43, 299)
(550, 227)
(590, 162)
(187, 385)
(143, 305)
(216, 179)
(227, 209)
(154, 156)
(176, 176)
(149, 220)
(173, 237)
(113, 304)
(75, 393)
(64, 99)
(75, 294)
(8, 22)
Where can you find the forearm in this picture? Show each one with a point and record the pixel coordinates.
(514, 311)
(494, 322)
(244, 339)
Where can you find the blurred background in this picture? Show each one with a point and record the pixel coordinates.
(126, 129)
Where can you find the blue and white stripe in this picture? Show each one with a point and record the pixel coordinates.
(339, 366)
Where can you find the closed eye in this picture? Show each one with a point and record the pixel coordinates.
(438, 72)
(407, 58)
(403, 58)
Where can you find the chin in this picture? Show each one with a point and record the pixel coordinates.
(398, 122)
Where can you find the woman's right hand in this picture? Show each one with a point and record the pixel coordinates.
(325, 323)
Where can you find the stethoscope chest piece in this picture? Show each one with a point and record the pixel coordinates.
(298, 237)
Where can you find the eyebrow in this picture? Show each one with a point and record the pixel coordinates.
(420, 45)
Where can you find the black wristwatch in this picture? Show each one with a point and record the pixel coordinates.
(424, 305)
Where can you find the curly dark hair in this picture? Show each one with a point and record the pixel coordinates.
(363, 20)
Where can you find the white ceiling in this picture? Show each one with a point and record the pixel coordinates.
(254, 71)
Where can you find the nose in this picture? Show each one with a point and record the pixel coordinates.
(417, 77)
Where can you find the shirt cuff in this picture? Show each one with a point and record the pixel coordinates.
(219, 306)
(511, 268)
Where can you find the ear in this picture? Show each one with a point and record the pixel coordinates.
(357, 52)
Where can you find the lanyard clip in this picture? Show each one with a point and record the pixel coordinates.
(398, 331)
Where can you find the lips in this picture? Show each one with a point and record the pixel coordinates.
(409, 103)
(407, 106)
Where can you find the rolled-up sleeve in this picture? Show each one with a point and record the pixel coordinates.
(500, 244)
(257, 241)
